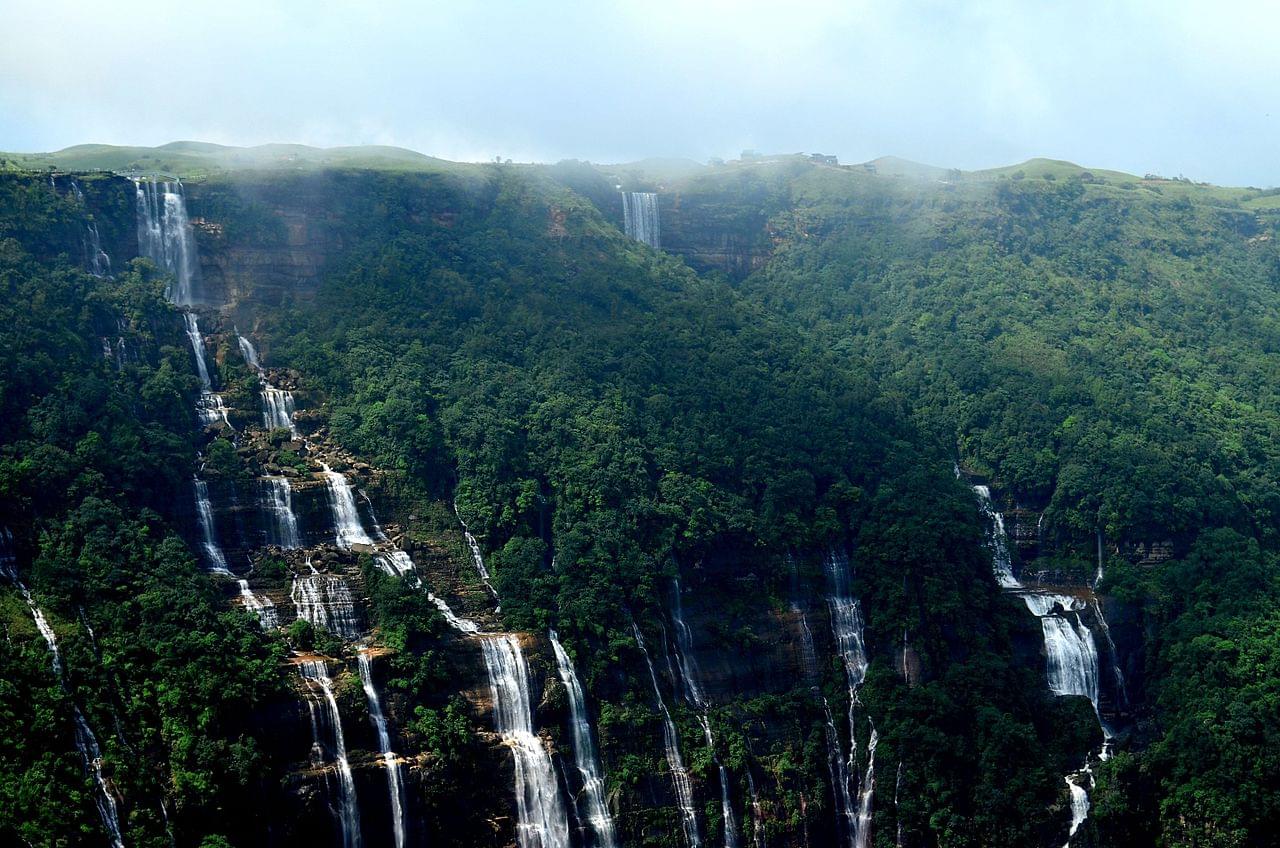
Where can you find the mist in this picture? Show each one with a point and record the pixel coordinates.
(1175, 88)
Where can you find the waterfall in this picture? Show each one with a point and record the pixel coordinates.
(689, 672)
(1072, 657)
(262, 606)
(210, 405)
(247, 352)
(395, 788)
(348, 530)
(847, 628)
(640, 217)
(99, 263)
(671, 745)
(165, 236)
(543, 821)
(757, 813)
(596, 810)
(1079, 805)
(397, 564)
(997, 540)
(208, 537)
(476, 557)
(726, 807)
(862, 835)
(328, 722)
(86, 742)
(1115, 655)
(462, 625)
(325, 600)
(278, 502)
(277, 409)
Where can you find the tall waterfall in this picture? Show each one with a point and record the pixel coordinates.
(395, 788)
(596, 810)
(277, 409)
(1071, 656)
(862, 835)
(690, 675)
(847, 628)
(325, 600)
(689, 671)
(837, 767)
(726, 807)
(210, 406)
(347, 528)
(86, 742)
(96, 259)
(208, 536)
(671, 745)
(997, 539)
(278, 502)
(326, 732)
(261, 606)
(476, 558)
(640, 217)
(165, 236)
(543, 820)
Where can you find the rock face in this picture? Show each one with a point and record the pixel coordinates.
(713, 235)
(269, 238)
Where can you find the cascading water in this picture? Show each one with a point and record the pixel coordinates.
(837, 768)
(277, 496)
(395, 787)
(997, 540)
(347, 528)
(640, 217)
(594, 808)
(726, 807)
(757, 813)
(325, 600)
(208, 536)
(690, 674)
(248, 352)
(847, 628)
(543, 820)
(862, 835)
(326, 721)
(1071, 656)
(278, 409)
(165, 236)
(261, 606)
(210, 406)
(97, 260)
(86, 742)
(397, 564)
(476, 558)
(1079, 802)
(671, 746)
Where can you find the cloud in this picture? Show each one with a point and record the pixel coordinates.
(1177, 87)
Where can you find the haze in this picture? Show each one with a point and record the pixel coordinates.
(1176, 88)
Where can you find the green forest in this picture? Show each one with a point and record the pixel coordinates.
(814, 359)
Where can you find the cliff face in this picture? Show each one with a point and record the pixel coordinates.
(711, 234)
(268, 238)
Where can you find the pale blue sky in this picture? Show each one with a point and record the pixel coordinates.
(1172, 87)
